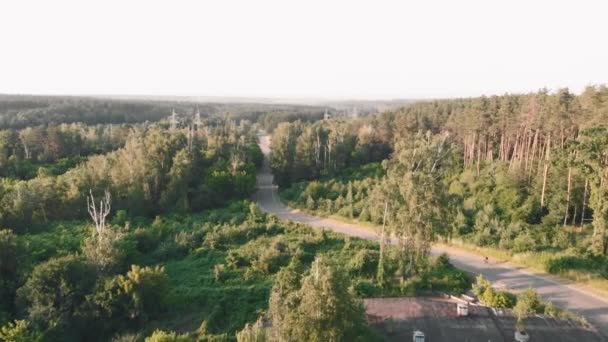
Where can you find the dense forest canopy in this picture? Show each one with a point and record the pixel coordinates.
(157, 170)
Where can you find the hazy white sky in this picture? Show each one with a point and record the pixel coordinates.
(365, 49)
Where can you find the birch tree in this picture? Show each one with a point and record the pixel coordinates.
(99, 212)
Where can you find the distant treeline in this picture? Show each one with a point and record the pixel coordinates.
(20, 111)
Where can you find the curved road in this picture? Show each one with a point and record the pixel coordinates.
(568, 296)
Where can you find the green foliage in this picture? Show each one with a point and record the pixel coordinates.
(439, 275)
(321, 309)
(307, 151)
(11, 256)
(489, 296)
(523, 305)
(120, 218)
(519, 170)
(143, 290)
(498, 299)
(19, 331)
(156, 171)
(54, 296)
(110, 250)
(220, 266)
(253, 333)
(528, 303)
(164, 336)
(364, 263)
(481, 285)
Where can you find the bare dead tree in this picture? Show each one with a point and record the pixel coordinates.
(99, 213)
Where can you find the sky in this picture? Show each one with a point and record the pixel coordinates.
(298, 49)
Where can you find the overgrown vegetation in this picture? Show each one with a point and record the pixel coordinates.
(202, 276)
(523, 304)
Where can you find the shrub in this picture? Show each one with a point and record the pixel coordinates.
(54, 296)
(145, 240)
(480, 286)
(443, 260)
(168, 250)
(527, 303)
(490, 297)
(121, 218)
(552, 310)
(253, 333)
(110, 250)
(219, 272)
(272, 258)
(139, 294)
(164, 336)
(365, 262)
(19, 331)
(310, 203)
(504, 299)
(366, 289)
(562, 239)
(524, 242)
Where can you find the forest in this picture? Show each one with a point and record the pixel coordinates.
(132, 230)
(523, 175)
(136, 225)
(21, 111)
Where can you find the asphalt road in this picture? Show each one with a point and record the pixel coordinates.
(571, 297)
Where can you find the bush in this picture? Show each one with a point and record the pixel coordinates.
(164, 336)
(145, 240)
(219, 272)
(253, 333)
(121, 218)
(110, 250)
(480, 286)
(366, 289)
(528, 303)
(169, 250)
(364, 263)
(524, 242)
(552, 310)
(138, 295)
(188, 241)
(504, 299)
(490, 297)
(443, 260)
(54, 296)
(19, 331)
(562, 239)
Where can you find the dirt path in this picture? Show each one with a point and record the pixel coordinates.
(568, 296)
